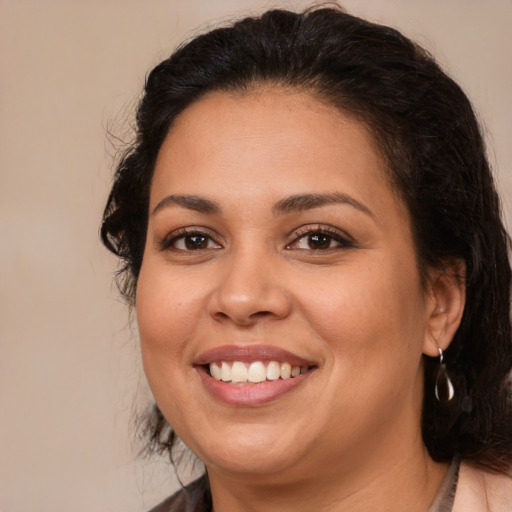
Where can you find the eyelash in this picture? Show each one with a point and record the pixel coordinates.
(169, 242)
(343, 240)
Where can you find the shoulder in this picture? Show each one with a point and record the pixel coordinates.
(481, 491)
(195, 497)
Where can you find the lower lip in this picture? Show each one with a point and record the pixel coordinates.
(249, 395)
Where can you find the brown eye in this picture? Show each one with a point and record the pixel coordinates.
(319, 241)
(194, 242)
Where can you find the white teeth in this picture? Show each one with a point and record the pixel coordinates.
(286, 370)
(273, 370)
(239, 372)
(256, 372)
(215, 371)
(225, 372)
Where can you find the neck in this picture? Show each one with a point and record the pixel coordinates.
(375, 482)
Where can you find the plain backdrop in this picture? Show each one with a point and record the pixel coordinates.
(71, 70)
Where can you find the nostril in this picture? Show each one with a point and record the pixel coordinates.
(261, 313)
(243, 319)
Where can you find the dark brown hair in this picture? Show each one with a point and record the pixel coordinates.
(427, 131)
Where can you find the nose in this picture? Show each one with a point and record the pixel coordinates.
(249, 291)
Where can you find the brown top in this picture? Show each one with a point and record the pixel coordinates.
(195, 497)
(443, 502)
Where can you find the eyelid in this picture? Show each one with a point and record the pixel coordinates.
(166, 243)
(340, 236)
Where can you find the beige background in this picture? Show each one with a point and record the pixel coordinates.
(69, 370)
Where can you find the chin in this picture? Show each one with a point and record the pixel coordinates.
(250, 451)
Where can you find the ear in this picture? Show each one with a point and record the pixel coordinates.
(445, 305)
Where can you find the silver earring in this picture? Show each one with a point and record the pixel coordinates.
(444, 388)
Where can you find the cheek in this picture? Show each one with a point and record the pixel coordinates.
(168, 308)
(367, 312)
(371, 325)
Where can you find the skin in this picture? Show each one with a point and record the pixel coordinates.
(348, 437)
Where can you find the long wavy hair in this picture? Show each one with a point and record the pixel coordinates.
(428, 134)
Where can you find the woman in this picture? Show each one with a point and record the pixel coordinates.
(312, 240)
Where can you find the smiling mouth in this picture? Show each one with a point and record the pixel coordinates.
(252, 375)
(256, 372)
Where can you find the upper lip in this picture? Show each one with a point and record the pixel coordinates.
(249, 353)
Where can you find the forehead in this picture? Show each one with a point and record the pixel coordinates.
(267, 110)
(285, 138)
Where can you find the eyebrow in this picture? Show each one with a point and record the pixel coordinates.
(196, 203)
(298, 202)
(302, 202)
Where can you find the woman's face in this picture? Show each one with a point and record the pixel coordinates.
(275, 246)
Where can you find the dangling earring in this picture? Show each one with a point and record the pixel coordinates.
(444, 388)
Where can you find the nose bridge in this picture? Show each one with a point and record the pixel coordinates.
(249, 288)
